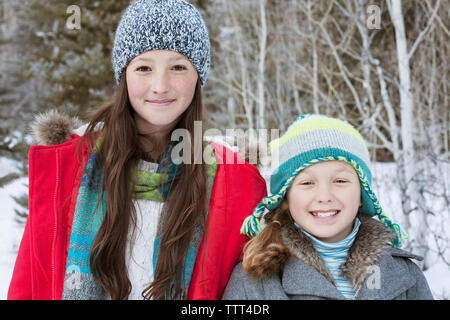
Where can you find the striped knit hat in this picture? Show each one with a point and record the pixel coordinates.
(312, 139)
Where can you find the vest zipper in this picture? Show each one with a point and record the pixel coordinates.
(55, 215)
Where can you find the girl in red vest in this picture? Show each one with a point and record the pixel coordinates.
(122, 211)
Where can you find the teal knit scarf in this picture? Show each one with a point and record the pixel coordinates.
(79, 282)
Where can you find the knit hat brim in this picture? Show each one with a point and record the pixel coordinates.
(370, 205)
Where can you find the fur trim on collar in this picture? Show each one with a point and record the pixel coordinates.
(53, 127)
(370, 241)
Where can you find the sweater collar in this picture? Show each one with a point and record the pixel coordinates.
(342, 246)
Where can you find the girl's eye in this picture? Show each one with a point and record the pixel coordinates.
(306, 183)
(143, 69)
(179, 67)
(341, 181)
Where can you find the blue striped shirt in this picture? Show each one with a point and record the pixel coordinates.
(334, 255)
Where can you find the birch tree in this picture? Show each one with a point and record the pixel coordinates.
(406, 103)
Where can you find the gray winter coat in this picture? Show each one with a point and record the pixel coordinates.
(377, 271)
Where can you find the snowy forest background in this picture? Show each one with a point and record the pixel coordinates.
(382, 65)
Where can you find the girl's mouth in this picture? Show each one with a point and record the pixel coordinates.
(162, 102)
(325, 214)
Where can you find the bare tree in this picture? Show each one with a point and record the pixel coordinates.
(382, 65)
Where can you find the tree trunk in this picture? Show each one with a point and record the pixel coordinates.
(409, 159)
(261, 66)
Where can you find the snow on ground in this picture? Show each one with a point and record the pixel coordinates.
(10, 230)
(385, 187)
(438, 275)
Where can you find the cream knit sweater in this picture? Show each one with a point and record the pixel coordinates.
(140, 249)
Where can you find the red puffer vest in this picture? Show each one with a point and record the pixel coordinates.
(54, 181)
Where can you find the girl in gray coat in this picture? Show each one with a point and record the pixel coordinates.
(321, 240)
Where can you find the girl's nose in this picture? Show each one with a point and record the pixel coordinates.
(160, 83)
(323, 194)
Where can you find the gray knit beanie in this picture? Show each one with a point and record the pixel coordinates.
(162, 25)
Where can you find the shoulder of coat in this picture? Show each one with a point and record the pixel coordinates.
(400, 253)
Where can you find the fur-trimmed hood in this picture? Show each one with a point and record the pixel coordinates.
(372, 238)
(53, 127)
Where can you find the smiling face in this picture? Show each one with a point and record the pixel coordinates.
(161, 85)
(324, 200)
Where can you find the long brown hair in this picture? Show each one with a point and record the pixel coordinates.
(266, 252)
(119, 153)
